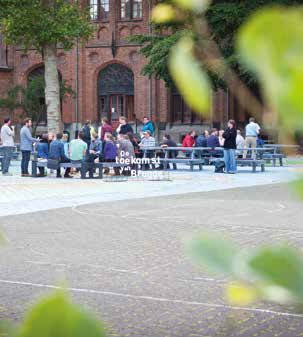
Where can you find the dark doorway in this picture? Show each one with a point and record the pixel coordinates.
(116, 93)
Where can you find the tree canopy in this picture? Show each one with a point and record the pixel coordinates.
(224, 19)
(35, 23)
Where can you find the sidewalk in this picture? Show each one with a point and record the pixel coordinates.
(23, 195)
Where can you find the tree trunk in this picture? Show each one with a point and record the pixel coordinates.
(52, 89)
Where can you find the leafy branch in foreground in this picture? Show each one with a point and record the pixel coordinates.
(56, 316)
(273, 273)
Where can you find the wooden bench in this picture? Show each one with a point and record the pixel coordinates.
(254, 163)
(186, 161)
(171, 156)
(83, 166)
(273, 157)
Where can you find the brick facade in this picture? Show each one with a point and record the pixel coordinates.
(109, 45)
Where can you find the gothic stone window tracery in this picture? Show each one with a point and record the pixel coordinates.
(99, 10)
(131, 9)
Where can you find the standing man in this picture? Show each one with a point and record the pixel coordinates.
(26, 145)
(252, 131)
(7, 138)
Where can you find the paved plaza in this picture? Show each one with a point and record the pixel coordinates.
(118, 247)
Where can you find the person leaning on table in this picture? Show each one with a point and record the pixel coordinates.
(252, 131)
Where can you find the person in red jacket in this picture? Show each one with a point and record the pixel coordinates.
(189, 139)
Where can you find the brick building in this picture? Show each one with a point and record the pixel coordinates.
(106, 74)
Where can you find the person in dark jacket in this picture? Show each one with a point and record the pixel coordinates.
(230, 147)
(42, 152)
(110, 152)
(87, 133)
(167, 142)
(56, 152)
(124, 127)
(201, 140)
(213, 142)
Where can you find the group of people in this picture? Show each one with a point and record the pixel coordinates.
(230, 139)
(107, 144)
(90, 146)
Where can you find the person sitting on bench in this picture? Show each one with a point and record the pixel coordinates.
(56, 152)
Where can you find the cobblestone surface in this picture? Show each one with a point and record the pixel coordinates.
(124, 260)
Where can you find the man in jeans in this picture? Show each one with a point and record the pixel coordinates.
(26, 145)
(8, 146)
(252, 131)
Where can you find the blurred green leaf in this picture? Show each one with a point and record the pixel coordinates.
(163, 13)
(197, 6)
(282, 266)
(271, 44)
(56, 316)
(189, 77)
(297, 186)
(241, 294)
(215, 252)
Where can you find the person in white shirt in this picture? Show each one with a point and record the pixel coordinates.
(8, 145)
(240, 142)
(252, 131)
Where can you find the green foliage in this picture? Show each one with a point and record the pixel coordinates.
(56, 316)
(224, 19)
(156, 49)
(206, 249)
(12, 100)
(189, 77)
(40, 22)
(274, 273)
(276, 57)
(29, 98)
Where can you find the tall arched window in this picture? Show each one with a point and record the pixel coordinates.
(99, 10)
(131, 9)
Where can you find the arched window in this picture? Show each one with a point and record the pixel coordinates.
(99, 10)
(131, 9)
(116, 92)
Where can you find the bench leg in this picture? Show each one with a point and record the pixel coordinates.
(254, 167)
(191, 167)
(100, 172)
(34, 168)
(274, 162)
(281, 161)
(262, 168)
(200, 167)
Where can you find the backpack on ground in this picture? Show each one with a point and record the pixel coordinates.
(219, 166)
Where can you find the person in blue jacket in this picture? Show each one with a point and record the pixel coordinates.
(42, 152)
(148, 126)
